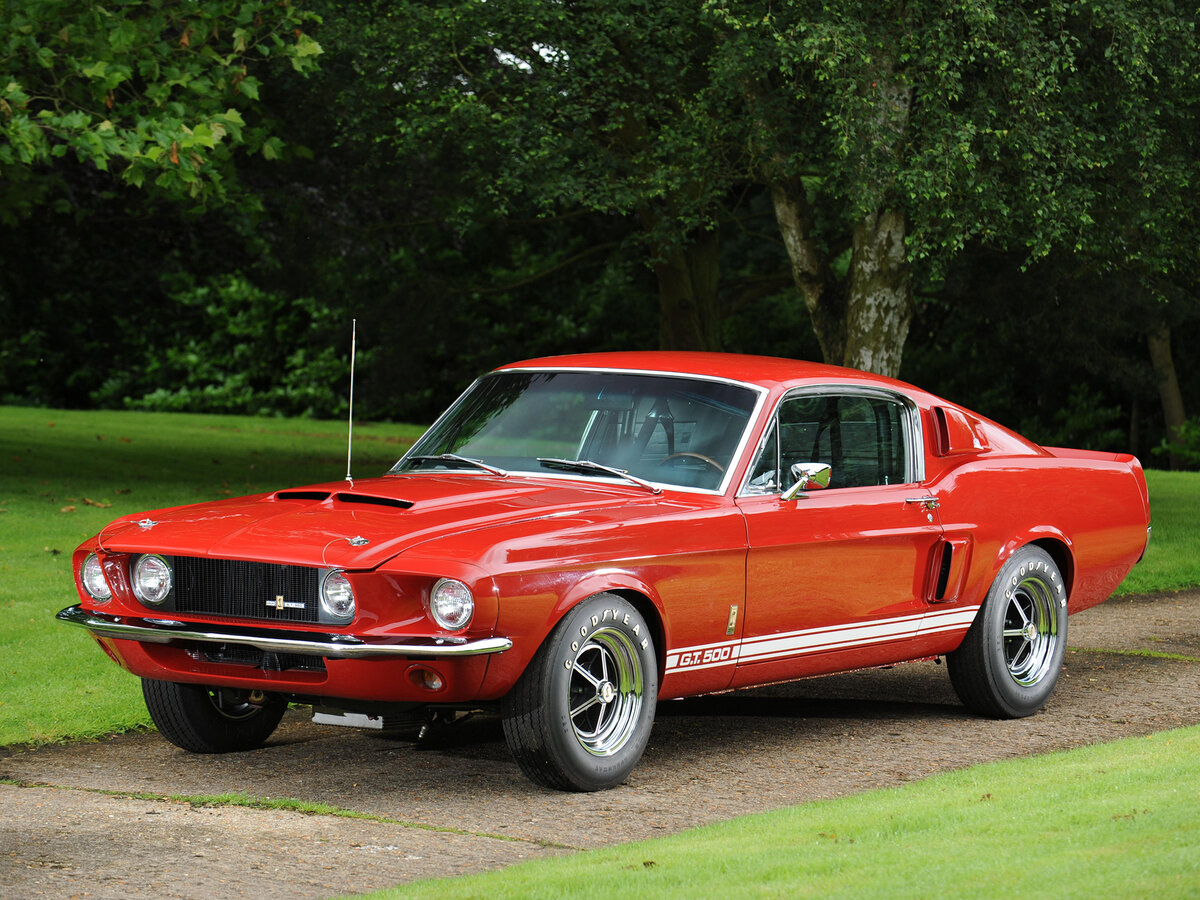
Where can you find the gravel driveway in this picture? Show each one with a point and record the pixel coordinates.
(91, 819)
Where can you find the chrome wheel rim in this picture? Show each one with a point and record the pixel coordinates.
(1030, 634)
(604, 693)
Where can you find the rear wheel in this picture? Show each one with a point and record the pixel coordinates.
(1009, 662)
(580, 716)
(212, 720)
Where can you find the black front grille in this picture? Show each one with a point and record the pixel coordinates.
(248, 590)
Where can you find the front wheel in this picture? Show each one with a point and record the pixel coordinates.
(1009, 662)
(580, 716)
(212, 720)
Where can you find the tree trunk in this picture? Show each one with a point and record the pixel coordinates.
(1159, 342)
(865, 323)
(810, 268)
(879, 304)
(690, 314)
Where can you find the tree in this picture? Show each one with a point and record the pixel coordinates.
(114, 295)
(1145, 239)
(166, 91)
(489, 180)
(894, 134)
(562, 109)
(889, 134)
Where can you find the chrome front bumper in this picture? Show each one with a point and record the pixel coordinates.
(331, 646)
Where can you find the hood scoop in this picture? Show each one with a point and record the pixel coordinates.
(344, 497)
(370, 500)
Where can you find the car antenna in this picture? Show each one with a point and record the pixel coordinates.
(350, 424)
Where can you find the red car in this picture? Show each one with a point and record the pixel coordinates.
(582, 536)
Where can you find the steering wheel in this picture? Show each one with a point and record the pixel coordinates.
(689, 455)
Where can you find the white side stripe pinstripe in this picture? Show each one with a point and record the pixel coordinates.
(818, 640)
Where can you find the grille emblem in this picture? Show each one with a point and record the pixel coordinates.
(280, 604)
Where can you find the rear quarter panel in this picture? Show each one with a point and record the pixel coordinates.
(1093, 505)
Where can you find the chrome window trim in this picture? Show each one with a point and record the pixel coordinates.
(735, 460)
(914, 463)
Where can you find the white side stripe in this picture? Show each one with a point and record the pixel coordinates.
(818, 640)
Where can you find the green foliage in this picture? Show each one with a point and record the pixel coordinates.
(1185, 445)
(1085, 420)
(81, 298)
(980, 123)
(235, 348)
(488, 181)
(597, 107)
(1057, 351)
(1020, 125)
(159, 91)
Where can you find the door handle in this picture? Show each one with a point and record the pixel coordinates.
(929, 504)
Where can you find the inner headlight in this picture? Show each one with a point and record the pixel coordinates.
(337, 596)
(151, 579)
(451, 604)
(92, 576)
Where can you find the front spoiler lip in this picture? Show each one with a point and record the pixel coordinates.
(332, 646)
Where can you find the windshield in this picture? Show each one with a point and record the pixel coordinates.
(664, 429)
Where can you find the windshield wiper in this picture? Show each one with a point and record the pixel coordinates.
(586, 465)
(454, 457)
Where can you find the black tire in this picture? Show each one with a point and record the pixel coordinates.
(1009, 662)
(212, 720)
(580, 716)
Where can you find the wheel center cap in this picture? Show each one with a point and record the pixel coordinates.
(606, 692)
(1031, 631)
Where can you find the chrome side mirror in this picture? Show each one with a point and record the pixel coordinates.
(809, 477)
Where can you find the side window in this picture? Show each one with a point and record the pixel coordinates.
(862, 437)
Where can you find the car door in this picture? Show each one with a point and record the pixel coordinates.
(836, 577)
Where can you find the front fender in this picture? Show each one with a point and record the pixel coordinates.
(615, 579)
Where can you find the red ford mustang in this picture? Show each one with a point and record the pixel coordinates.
(579, 537)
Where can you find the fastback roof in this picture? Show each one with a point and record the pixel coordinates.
(768, 371)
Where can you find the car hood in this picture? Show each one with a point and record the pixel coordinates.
(355, 526)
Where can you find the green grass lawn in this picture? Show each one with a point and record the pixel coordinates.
(65, 474)
(1173, 560)
(1109, 821)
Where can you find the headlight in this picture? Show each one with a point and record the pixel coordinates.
(152, 579)
(92, 576)
(451, 604)
(337, 597)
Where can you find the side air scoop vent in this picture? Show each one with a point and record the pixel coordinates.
(374, 501)
(302, 495)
